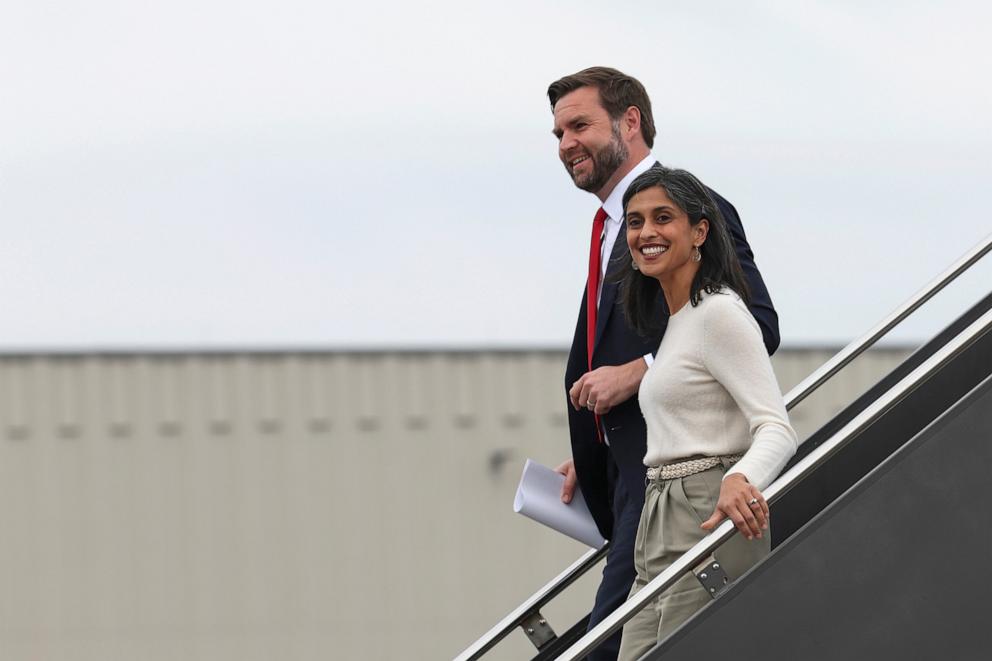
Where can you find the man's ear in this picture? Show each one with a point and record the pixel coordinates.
(632, 122)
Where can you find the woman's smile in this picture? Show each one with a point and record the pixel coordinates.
(659, 235)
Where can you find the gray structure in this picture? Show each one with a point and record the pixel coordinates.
(288, 505)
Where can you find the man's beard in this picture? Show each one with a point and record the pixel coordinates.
(606, 161)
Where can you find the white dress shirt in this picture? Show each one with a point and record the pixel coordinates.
(613, 206)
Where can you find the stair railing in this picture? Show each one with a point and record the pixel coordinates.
(527, 615)
(725, 530)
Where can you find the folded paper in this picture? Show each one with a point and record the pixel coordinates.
(539, 498)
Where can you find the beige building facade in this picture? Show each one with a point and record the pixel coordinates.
(288, 505)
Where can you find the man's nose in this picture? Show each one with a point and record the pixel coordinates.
(567, 141)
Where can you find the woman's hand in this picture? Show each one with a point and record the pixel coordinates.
(743, 503)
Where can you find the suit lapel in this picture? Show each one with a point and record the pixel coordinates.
(610, 287)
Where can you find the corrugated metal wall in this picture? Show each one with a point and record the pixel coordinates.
(286, 505)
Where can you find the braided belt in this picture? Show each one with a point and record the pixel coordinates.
(688, 467)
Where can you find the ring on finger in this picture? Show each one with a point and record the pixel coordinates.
(752, 502)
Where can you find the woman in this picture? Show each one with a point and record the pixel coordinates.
(718, 432)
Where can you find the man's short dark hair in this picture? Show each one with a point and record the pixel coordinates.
(617, 92)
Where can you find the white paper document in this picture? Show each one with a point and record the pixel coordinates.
(539, 498)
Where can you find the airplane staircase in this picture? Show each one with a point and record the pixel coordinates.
(881, 524)
(898, 567)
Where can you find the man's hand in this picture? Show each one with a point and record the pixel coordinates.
(605, 387)
(568, 488)
(743, 503)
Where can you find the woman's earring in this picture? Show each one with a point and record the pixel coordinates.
(633, 264)
(696, 256)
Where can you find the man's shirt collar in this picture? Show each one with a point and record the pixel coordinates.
(614, 202)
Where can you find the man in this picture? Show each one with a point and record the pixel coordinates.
(605, 131)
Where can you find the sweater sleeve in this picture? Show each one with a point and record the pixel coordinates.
(735, 355)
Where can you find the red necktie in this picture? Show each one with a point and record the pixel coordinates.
(592, 293)
(592, 284)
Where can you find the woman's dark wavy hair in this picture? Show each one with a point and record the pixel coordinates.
(718, 268)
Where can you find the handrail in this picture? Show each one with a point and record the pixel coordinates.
(694, 556)
(533, 603)
(797, 394)
(858, 346)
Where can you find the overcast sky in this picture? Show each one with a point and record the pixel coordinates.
(304, 174)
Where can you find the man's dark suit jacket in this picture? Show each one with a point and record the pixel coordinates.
(616, 344)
